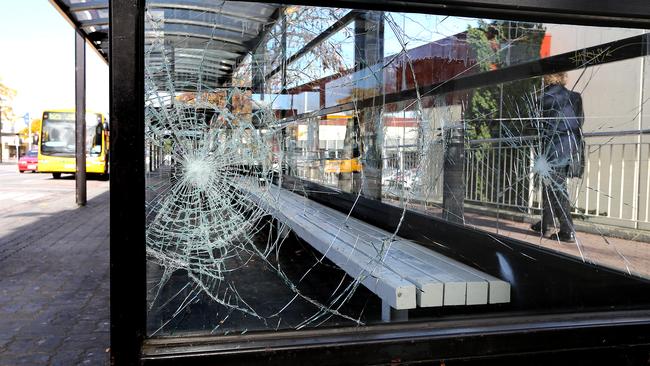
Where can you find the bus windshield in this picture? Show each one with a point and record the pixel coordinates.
(58, 134)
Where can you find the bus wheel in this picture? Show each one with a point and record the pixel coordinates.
(56, 175)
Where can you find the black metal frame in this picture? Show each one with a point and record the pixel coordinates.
(571, 339)
(628, 14)
(622, 49)
(337, 26)
(573, 335)
(127, 249)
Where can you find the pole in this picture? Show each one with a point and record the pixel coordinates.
(80, 118)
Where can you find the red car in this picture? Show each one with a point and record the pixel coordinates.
(28, 161)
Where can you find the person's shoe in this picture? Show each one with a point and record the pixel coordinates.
(537, 227)
(565, 237)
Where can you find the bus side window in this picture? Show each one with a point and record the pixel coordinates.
(97, 140)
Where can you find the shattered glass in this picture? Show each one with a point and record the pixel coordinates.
(528, 131)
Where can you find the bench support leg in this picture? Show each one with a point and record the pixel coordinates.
(388, 314)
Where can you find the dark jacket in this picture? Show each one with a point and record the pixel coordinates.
(562, 136)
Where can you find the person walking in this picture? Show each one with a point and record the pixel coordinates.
(562, 154)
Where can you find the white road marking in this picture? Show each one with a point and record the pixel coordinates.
(21, 196)
(29, 197)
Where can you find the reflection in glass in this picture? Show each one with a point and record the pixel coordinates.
(525, 140)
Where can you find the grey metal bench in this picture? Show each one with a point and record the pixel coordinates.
(403, 274)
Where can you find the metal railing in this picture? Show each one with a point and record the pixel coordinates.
(614, 189)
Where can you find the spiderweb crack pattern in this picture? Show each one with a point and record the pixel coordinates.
(202, 221)
(515, 137)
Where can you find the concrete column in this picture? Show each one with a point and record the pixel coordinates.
(350, 181)
(453, 192)
(368, 57)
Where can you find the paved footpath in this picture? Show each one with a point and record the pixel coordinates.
(54, 279)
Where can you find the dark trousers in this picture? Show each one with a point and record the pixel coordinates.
(555, 202)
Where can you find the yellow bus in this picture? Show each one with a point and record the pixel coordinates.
(343, 165)
(56, 145)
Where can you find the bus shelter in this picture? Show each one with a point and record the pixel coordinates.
(377, 182)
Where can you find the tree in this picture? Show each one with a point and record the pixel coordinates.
(501, 110)
(34, 128)
(303, 23)
(7, 96)
(497, 45)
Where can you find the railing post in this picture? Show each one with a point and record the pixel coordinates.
(637, 165)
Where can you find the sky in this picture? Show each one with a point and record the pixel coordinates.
(37, 55)
(37, 60)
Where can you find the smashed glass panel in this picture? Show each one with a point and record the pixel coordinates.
(313, 166)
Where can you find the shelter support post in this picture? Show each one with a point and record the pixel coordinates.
(128, 254)
(80, 118)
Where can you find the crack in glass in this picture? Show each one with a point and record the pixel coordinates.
(400, 108)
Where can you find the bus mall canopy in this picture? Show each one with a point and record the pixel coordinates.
(215, 36)
(236, 28)
(233, 29)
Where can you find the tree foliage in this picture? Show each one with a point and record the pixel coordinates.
(7, 96)
(497, 45)
(501, 110)
(34, 128)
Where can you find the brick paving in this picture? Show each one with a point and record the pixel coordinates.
(630, 256)
(624, 255)
(54, 271)
(54, 268)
